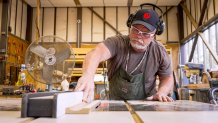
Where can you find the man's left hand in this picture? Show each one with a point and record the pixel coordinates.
(160, 97)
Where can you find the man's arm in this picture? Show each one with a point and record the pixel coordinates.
(90, 64)
(165, 86)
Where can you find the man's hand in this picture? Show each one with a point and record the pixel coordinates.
(86, 84)
(160, 97)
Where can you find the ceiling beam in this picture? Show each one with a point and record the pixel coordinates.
(167, 10)
(129, 3)
(77, 2)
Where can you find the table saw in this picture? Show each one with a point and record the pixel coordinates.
(111, 111)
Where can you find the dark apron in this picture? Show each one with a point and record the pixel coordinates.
(125, 86)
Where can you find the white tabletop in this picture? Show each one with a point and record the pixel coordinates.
(158, 116)
(13, 117)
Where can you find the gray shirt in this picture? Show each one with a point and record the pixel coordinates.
(156, 62)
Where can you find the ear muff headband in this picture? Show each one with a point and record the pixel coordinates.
(160, 24)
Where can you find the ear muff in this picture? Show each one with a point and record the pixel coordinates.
(160, 27)
(130, 19)
(160, 24)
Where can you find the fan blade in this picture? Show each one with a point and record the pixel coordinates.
(38, 50)
(62, 55)
(47, 73)
(59, 73)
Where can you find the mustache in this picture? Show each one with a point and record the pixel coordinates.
(137, 39)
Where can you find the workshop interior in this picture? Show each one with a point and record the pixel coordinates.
(44, 43)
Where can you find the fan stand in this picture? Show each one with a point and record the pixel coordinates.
(49, 87)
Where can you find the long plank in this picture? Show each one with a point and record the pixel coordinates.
(83, 108)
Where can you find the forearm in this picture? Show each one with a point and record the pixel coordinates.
(91, 63)
(93, 58)
(166, 85)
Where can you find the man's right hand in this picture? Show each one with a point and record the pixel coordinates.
(86, 84)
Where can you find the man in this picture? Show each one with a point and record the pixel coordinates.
(134, 61)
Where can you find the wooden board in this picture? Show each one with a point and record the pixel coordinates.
(198, 86)
(83, 108)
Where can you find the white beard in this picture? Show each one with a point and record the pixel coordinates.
(138, 46)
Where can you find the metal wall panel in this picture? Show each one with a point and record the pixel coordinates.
(18, 18)
(61, 22)
(86, 25)
(111, 18)
(24, 22)
(97, 29)
(48, 21)
(72, 25)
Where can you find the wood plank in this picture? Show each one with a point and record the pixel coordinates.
(83, 108)
(198, 86)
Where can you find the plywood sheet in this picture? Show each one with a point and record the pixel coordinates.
(122, 18)
(111, 18)
(86, 25)
(163, 37)
(13, 15)
(211, 9)
(72, 25)
(19, 18)
(48, 21)
(173, 34)
(92, 2)
(97, 26)
(24, 22)
(61, 22)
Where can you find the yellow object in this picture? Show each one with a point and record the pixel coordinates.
(22, 81)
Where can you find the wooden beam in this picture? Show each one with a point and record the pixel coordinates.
(77, 2)
(203, 11)
(212, 52)
(129, 3)
(210, 22)
(104, 21)
(79, 27)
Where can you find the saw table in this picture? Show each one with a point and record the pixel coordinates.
(110, 111)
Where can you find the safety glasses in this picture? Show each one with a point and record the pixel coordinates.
(134, 30)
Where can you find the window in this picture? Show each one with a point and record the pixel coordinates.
(201, 53)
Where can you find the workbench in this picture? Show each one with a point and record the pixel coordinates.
(181, 111)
